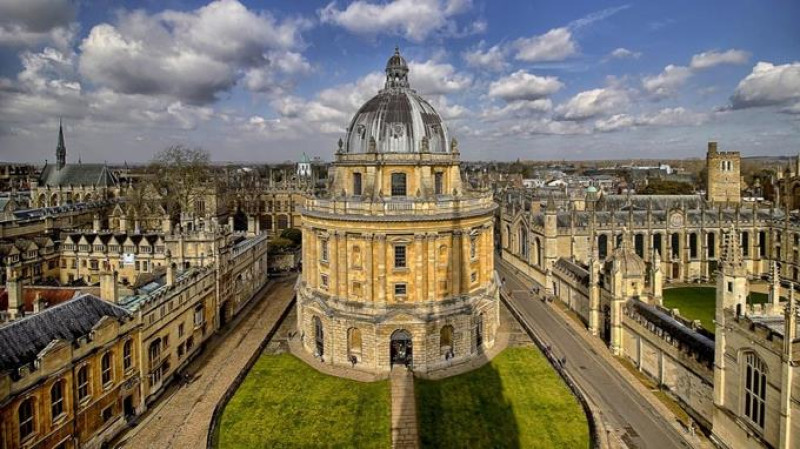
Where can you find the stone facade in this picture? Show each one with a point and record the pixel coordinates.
(398, 258)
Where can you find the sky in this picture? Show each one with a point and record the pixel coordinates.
(267, 81)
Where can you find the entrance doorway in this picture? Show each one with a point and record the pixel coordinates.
(127, 407)
(401, 348)
(319, 337)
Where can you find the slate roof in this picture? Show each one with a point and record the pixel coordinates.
(701, 344)
(97, 175)
(22, 340)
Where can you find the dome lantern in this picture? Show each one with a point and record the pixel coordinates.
(396, 71)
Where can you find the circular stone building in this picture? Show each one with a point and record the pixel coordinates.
(398, 263)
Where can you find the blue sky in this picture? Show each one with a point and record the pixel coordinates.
(267, 81)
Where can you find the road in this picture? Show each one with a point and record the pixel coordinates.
(181, 418)
(624, 409)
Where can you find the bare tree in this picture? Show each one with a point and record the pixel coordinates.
(181, 175)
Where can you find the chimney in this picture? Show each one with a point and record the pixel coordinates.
(108, 286)
(170, 269)
(14, 289)
(96, 223)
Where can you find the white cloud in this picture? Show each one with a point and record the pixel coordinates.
(592, 103)
(432, 78)
(192, 56)
(25, 23)
(624, 53)
(713, 58)
(415, 20)
(555, 45)
(493, 58)
(668, 82)
(518, 109)
(522, 85)
(770, 85)
(665, 117)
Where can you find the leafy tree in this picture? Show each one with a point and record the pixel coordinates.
(281, 245)
(293, 234)
(667, 187)
(180, 174)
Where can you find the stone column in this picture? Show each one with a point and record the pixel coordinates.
(368, 269)
(432, 265)
(342, 264)
(419, 273)
(455, 271)
(333, 258)
(381, 277)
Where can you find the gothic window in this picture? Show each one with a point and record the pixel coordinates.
(56, 399)
(83, 383)
(26, 420)
(357, 184)
(755, 389)
(398, 184)
(438, 183)
(523, 242)
(399, 256)
(657, 245)
(602, 246)
(693, 245)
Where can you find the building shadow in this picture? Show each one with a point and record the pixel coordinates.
(466, 411)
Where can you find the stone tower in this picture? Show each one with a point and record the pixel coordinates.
(723, 179)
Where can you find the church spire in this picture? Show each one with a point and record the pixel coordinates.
(61, 149)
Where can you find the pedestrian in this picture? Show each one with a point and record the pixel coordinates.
(564, 362)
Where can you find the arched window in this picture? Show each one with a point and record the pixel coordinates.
(127, 355)
(105, 368)
(693, 245)
(602, 246)
(83, 383)
(57, 399)
(446, 341)
(657, 244)
(638, 244)
(26, 419)
(711, 241)
(538, 249)
(399, 184)
(676, 245)
(523, 242)
(755, 389)
(354, 342)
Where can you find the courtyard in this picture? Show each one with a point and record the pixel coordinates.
(516, 400)
(698, 303)
(283, 402)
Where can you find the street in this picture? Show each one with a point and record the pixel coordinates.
(624, 409)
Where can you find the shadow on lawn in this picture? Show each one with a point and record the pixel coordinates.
(466, 411)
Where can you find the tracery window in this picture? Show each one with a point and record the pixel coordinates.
(755, 389)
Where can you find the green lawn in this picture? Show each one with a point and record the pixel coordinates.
(698, 303)
(285, 403)
(516, 401)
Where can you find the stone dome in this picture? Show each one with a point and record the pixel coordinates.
(628, 262)
(397, 119)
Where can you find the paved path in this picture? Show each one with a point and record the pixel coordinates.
(624, 408)
(181, 420)
(405, 433)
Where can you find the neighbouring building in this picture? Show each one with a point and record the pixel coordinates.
(724, 179)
